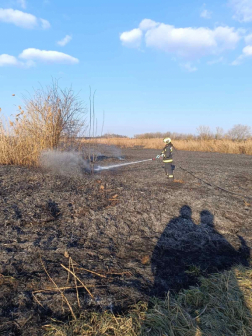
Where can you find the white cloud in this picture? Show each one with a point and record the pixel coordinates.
(132, 38)
(22, 19)
(191, 42)
(189, 67)
(147, 24)
(22, 3)
(8, 60)
(248, 39)
(246, 52)
(206, 14)
(29, 57)
(242, 10)
(65, 40)
(48, 56)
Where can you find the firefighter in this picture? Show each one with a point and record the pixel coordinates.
(167, 158)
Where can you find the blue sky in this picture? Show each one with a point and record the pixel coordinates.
(156, 65)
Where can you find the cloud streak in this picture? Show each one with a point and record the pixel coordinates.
(132, 38)
(29, 57)
(22, 3)
(216, 61)
(47, 56)
(65, 40)
(242, 10)
(246, 53)
(22, 19)
(248, 39)
(206, 14)
(188, 67)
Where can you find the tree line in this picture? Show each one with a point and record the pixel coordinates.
(237, 133)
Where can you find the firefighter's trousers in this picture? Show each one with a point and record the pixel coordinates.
(169, 170)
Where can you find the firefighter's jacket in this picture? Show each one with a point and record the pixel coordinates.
(167, 153)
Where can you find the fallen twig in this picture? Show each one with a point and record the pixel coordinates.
(57, 289)
(80, 267)
(67, 269)
(120, 273)
(62, 294)
(75, 281)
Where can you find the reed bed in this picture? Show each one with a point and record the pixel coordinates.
(217, 146)
(22, 141)
(49, 117)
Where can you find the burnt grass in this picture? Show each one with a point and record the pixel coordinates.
(142, 234)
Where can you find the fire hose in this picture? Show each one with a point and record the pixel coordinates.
(213, 185)
(100, 168)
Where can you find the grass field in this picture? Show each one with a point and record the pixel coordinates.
(22, 144)
(218, 146)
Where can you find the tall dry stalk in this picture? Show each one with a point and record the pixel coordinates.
(50, 116)
(92, 126)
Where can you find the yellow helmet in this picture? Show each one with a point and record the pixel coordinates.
(167, 140)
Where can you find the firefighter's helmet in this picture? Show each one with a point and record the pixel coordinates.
(167, 140)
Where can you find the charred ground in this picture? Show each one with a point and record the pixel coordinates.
(141, 235)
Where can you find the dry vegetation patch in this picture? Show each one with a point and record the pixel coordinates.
(49, 116)
(218, 146)
(221, 305)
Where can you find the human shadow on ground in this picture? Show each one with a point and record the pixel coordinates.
(185, 251)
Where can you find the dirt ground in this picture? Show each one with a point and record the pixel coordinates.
(140, 235)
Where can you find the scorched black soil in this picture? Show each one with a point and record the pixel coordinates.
(141, 235)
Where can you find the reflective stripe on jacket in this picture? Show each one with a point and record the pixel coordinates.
(167, 153)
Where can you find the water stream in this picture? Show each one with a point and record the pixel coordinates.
(99, 168)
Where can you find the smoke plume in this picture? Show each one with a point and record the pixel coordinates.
(64, 163)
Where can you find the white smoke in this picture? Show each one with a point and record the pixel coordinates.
(103, 150)
(64, 163)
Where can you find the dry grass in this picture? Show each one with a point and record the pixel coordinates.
(221, 305)
(17, 148)
(22, 141)
(50, 115)
(220, 146)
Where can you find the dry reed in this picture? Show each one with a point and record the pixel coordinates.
(22, 141)
(50, 115)
(218, 146)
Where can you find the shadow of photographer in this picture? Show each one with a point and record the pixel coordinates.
(184, 252)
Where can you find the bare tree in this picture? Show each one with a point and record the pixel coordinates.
(240, 132)
(219, 134)
(159, 135)
(204, 132)
(54, 113)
